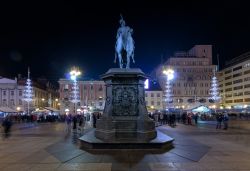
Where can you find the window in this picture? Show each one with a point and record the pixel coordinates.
(85, 87)
(12, 93)
(228, 89)
(152, 94)
(4, 93)
(229, 77)
(246, 65)
(247, 72)
(229, 101)
(158, 103)
(247, 79)
(201, 92)
(228, 83)
(146, 103)
(238, 100)
(100, 103)
(237, 81)
(238, 87)
(179, 100)
(4, 102)
(12, 102)
(20, 102)
(91, 87)
(146, 94)
(201, 84)
(206, 84)
(237, 75)
(100, 88)
(247, 93)
(20, 93)
(202, 100)
(247, 86)
(221, 85)
(152, 103)
(238, 94)
(228, 95)
(158, 94)
(237, 68)
(228, 71)
(247, 99)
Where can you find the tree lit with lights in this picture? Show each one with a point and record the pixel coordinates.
(28, 92)
(75, 98)
(214, 91)
(168, 92)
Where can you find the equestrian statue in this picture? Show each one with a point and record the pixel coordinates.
(124, 47)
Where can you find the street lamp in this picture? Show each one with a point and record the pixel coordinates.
(74, 73)
(170, 76)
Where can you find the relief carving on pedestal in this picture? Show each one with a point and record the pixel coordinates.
(125, 100)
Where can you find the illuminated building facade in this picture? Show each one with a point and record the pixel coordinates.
(193, 71)
(234, 82)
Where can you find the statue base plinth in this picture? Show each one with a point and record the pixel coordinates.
(89, 141)
(125, 122)
(125, 115)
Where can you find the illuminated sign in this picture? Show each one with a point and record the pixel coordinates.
(146, 84)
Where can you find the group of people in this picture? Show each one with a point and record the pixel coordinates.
(222, 118)
(171, 119)
(73, 120)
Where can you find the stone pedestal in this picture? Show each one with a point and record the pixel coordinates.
(125, 115)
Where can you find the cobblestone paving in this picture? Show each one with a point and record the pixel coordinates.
(196, 148)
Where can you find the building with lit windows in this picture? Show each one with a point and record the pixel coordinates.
(11, 95)
(154, 97)
(92, 95)
(234, 82)
(193, 71)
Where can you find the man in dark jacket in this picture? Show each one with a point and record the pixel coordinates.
(7, 126)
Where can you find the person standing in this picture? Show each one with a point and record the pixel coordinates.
(7, 126)
(219, 119)
(94, 120)
(225, 120)
(68, 123)
(196, 118)
(74, 122)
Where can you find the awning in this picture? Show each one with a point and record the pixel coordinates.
(51, 109)
(7, 110)
(202, 109)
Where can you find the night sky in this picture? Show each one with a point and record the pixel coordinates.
(52, 36)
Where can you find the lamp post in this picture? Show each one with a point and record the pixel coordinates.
(74, 73)
(170, 76)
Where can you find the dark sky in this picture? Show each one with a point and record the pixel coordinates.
(52, 36)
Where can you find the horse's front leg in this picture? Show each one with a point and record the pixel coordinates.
(120, 60)
(128, 61)
(133, 57)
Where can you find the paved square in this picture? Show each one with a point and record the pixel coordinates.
(49, 147)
